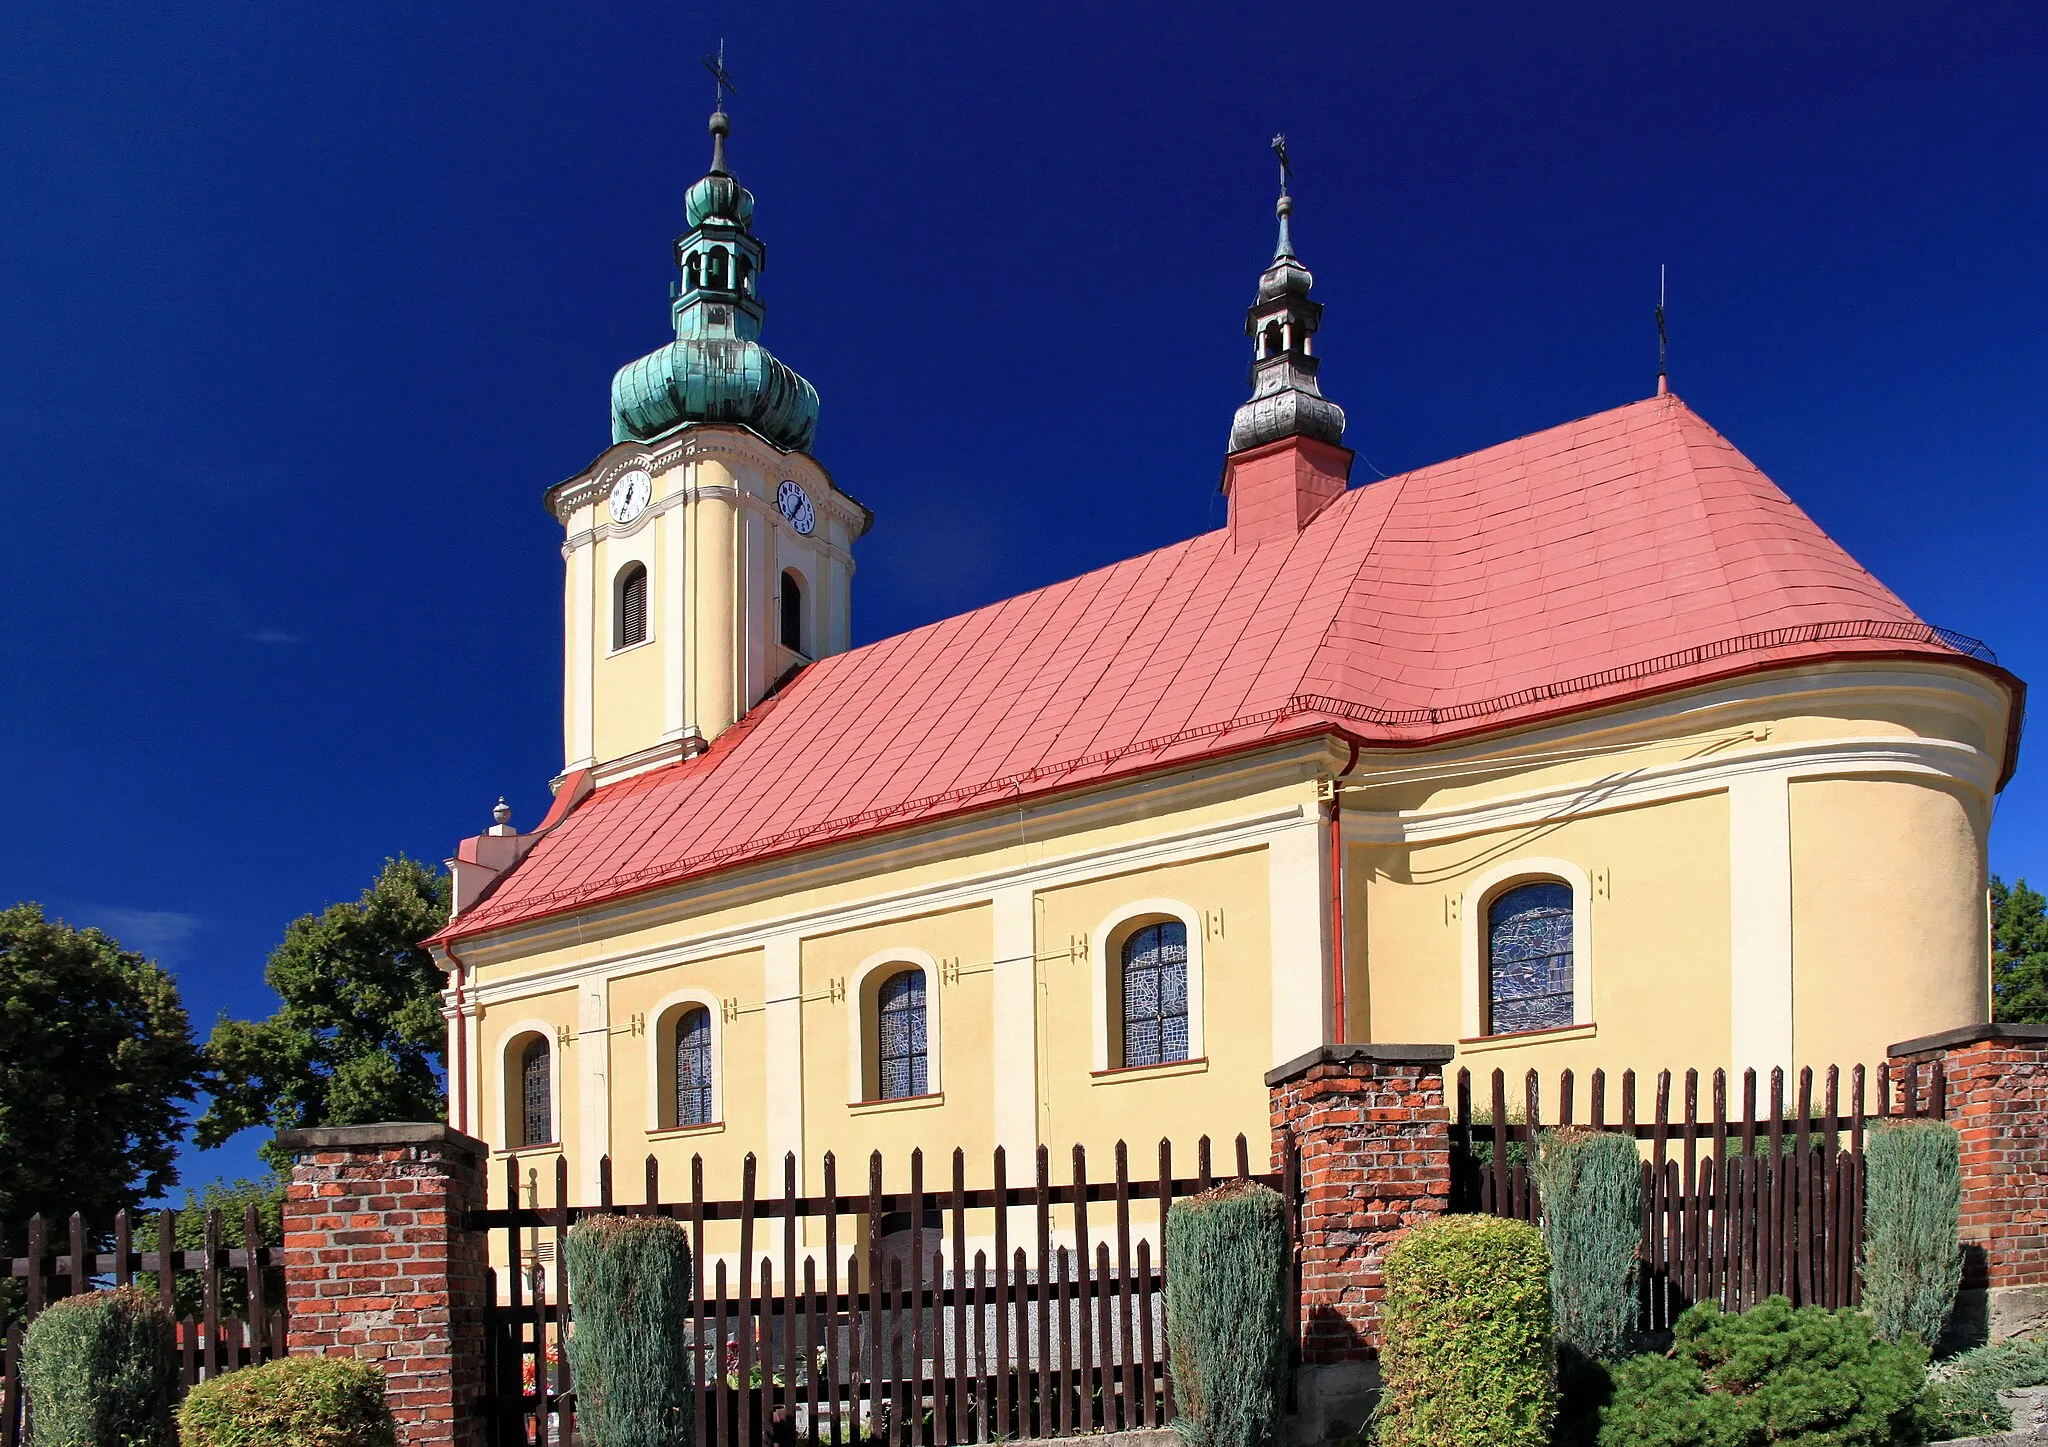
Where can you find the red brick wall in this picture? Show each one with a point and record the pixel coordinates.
(378, 1265)
(1375, 1146)
(1997, 1083)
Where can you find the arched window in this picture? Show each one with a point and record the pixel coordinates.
(1274, 345)
(1529, 958)
(792, 613)
(1155, 994)
(536, 1094)
(716, 272)
(693, 269)
(900, 1035)
(629, 620)
(693, 1067)
(746, 275)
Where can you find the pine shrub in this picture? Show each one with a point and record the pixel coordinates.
(1225, 1312)
(1912, 1254)
(1466, 1358)
(101, 1370)
(1591, 1186)
(1772, 1375)
(1963, 1391)
(291, 1402)
(629, 1296)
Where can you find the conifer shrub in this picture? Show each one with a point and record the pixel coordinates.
(1912, 1251)
(629, 1297)
(291, 1402)
(101, 1370)
(1963, 1391)
(1591, 1186)
(1466, 1351)
(1225, 1312)
(1772, 1375)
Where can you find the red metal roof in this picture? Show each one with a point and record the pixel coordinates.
(1630, 552)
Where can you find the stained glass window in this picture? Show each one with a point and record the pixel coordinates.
(900, 1027)
(1155, 994)
(693, 1068)
(537, 1105)
(1529, 958)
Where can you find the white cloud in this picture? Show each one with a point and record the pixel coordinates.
(161, 934)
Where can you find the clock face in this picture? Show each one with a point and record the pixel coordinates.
(630, 494)
(796, 506)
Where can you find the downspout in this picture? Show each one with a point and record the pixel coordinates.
(1339, 1023)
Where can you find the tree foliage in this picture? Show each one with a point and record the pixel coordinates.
(1912, 1248)
(101, 1370)
(1591, 1186)
(1803, 1377)
(96, 1063)
(360, 1036)
(1467, 1356)
(2019, 953)
(188, 1233)
(1226, 1301)
(629, 1290)
(291, 1402)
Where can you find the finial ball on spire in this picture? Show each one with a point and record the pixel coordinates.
(502, 814)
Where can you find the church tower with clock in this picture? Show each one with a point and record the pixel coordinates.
(708, 553)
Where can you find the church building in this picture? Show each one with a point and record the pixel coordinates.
(1589, 749)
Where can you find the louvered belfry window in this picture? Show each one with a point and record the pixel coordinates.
(1155, 994)
(792, 613)
(693, 1068)
(536, 1094)
(1529, 958)
(900, 1025)
(632, 620)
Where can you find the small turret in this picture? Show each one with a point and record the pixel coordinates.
(1286, 460)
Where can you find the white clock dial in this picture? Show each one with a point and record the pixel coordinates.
(630, 494)
(795, 504)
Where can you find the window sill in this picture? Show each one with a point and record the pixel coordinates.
(709, 1127)
(543, 1149)
(1167, 1069)
(900, 1102)
(630, 647)
(1482, 1043)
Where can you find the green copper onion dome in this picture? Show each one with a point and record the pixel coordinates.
(716, 370)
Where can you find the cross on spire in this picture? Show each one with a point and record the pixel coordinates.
(1286, 167)
(721, 78)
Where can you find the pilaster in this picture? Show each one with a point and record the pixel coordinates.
(1760, 922)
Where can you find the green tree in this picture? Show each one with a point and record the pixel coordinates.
(2019, 953)
(188, 1233)
(97, 1062)
(360, 1036)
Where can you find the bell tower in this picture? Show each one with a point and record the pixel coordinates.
(709, 555)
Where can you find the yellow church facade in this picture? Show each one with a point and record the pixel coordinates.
(1588, 750)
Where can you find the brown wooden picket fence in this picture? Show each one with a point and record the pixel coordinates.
(1736, 1207)
(209, 1344)
(893, 1329)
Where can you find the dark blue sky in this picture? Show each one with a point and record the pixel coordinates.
(303, 306)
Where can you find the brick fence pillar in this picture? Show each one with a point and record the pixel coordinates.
(1374, 1138)
(1996, 1078)
(378, 1265)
